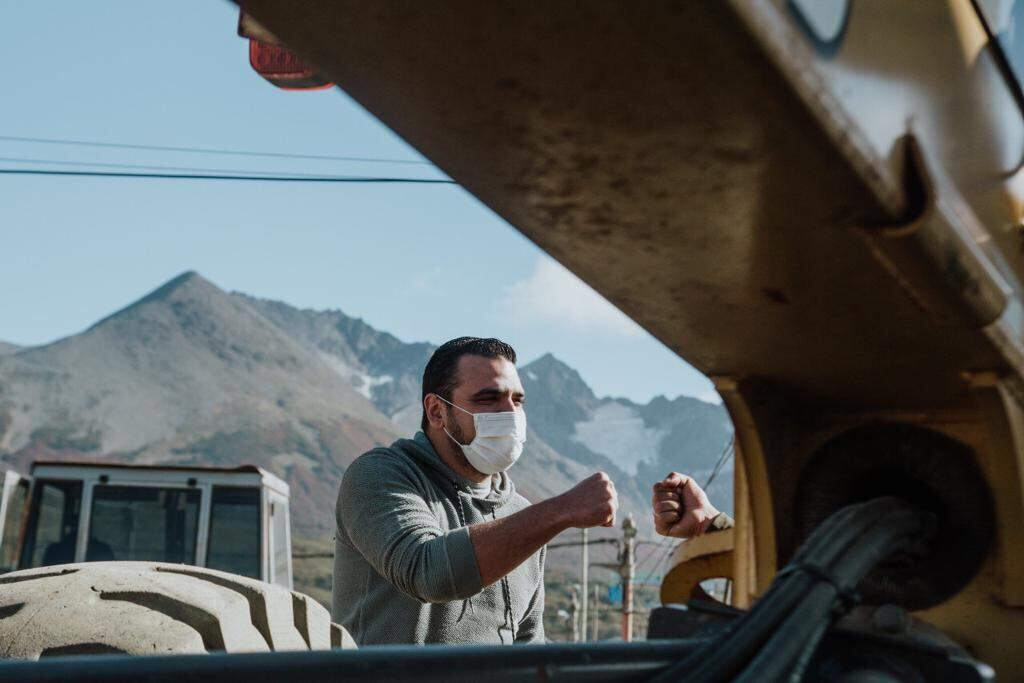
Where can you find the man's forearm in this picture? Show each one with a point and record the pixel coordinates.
(503, 544)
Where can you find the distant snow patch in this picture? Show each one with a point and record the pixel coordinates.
(618, 432)
(361, 381)
(532, 375)
(338, 365)
(364, 383)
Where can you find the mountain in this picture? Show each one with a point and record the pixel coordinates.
(389, 372)
(6, 348)
(637, 444)
(382, 368)
(190, 374)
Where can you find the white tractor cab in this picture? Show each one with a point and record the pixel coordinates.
(231, 519)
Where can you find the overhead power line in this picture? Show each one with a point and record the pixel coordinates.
(208, 150)
(576, 544)
(158, 167)
(206, 176)
(664, 550)
(722, 459)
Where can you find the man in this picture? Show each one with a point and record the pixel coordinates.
(433, 543)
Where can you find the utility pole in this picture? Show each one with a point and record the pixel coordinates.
(627, 567)
(585, 592)
(574, 615)
(597, 609)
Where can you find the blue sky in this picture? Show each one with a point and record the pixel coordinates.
(426, 263)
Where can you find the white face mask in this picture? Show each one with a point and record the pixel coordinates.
(498, 442)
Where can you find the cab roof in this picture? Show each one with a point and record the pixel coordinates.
(240, 475)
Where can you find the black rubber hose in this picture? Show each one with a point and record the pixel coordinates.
(917, 523)
(728, 655)
(798, 638)
(750, 632)
(804, 660)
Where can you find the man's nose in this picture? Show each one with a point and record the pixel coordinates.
(506, 405)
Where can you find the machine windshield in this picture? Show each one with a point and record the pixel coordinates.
(143, 523)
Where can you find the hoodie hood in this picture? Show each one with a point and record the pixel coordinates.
(422, 451)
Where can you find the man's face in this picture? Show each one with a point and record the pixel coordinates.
(485, 385)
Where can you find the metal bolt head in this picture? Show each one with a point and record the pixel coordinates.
(891, 619)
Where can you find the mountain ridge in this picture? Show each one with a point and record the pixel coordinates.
(191, 374)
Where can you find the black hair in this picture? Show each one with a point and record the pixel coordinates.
(439, 377)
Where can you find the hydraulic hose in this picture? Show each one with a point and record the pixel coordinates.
(843, 540)
(746, 636)
(797, 639)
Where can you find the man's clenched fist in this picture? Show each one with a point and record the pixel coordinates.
(681, 508)
(590, 503)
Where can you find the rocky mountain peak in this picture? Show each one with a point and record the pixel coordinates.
(556, 380)
(190, 289)
(189, 283)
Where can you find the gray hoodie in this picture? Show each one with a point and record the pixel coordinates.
(404, 566)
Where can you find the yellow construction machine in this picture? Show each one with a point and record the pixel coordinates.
(817, 203)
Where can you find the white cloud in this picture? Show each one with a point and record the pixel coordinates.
(553, 295)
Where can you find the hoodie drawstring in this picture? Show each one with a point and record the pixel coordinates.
(506, 591)
(461, 512)
(510, 617)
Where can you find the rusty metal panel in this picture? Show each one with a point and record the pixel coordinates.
(660, 153)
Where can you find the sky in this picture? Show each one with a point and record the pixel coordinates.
(417, 261)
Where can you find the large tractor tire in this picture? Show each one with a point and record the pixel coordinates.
(142, 608)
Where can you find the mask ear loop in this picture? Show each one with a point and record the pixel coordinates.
(446, 432)
(454, 440)
(453, 405)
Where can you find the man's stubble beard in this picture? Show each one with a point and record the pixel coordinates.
(456, 432)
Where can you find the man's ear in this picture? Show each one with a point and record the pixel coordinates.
(434, 408)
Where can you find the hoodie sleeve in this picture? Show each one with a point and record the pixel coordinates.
(383, 512)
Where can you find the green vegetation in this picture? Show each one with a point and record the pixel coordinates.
(312, 567)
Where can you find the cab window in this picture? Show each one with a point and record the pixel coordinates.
(143, 523)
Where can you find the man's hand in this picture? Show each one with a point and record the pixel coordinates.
(681, 508)
(590, 503)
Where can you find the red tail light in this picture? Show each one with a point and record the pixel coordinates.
(283, 68)
(275, 62)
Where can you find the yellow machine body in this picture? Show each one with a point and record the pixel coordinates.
(817, 204)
